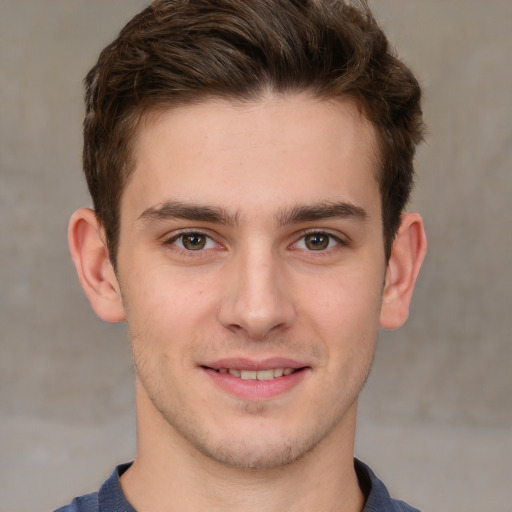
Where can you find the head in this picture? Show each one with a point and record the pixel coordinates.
(177, 53)
(249, 163)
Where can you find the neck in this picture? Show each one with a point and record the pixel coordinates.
(171, 475)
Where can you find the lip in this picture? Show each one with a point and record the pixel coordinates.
(243, 363)
(255, 390)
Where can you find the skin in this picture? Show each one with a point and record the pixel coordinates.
(283, 206)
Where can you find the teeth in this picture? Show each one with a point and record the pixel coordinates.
(265, 374)
(257, 374)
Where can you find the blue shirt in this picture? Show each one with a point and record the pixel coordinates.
(110, 497)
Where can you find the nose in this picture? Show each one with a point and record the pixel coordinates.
(257, 300)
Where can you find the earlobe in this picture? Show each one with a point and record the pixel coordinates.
(408, 252)
(91, 258)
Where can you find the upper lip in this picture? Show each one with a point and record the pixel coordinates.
(242, 363)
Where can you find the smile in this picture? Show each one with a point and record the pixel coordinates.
(269, 374)
(256, 380)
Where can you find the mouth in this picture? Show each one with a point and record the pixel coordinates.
(256, 380)
(267, 374)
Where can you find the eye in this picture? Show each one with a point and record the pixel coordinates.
(193, 241)
(317, 241)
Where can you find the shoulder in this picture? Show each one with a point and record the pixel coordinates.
(87, 503)
(377, 496)
(401, 506)
(110, 497)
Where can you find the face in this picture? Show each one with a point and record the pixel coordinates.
(251, 266)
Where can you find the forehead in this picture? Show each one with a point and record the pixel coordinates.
(292, 149)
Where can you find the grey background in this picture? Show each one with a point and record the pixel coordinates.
(436, 415)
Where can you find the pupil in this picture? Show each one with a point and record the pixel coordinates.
(194, 241)
(317, 241)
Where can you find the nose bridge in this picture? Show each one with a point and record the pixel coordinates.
(256, 302)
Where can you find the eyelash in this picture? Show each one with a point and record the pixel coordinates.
(338, 241)
(170, 242)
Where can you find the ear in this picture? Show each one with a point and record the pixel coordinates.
(407, 254)
(90, 254)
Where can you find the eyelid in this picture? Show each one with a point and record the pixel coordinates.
(169, 239)
(338, 237)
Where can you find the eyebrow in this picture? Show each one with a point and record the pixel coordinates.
(217, 215)
(187, 211)
(328, 210)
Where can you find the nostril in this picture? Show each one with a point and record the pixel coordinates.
(256, 311)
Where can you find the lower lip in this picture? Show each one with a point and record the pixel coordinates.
(251, 389)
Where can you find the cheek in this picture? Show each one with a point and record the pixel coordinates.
(165, 306)
(344, 315)
(345, 298)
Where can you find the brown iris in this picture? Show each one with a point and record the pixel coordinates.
(194, 241)
(317, 241)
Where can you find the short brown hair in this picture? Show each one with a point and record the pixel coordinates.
(176, 52)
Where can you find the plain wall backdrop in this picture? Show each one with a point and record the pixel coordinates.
(436, 415)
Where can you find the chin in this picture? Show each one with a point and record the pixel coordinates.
(256, 445)
(256, 456)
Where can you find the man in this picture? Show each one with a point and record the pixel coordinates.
(249, 164)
